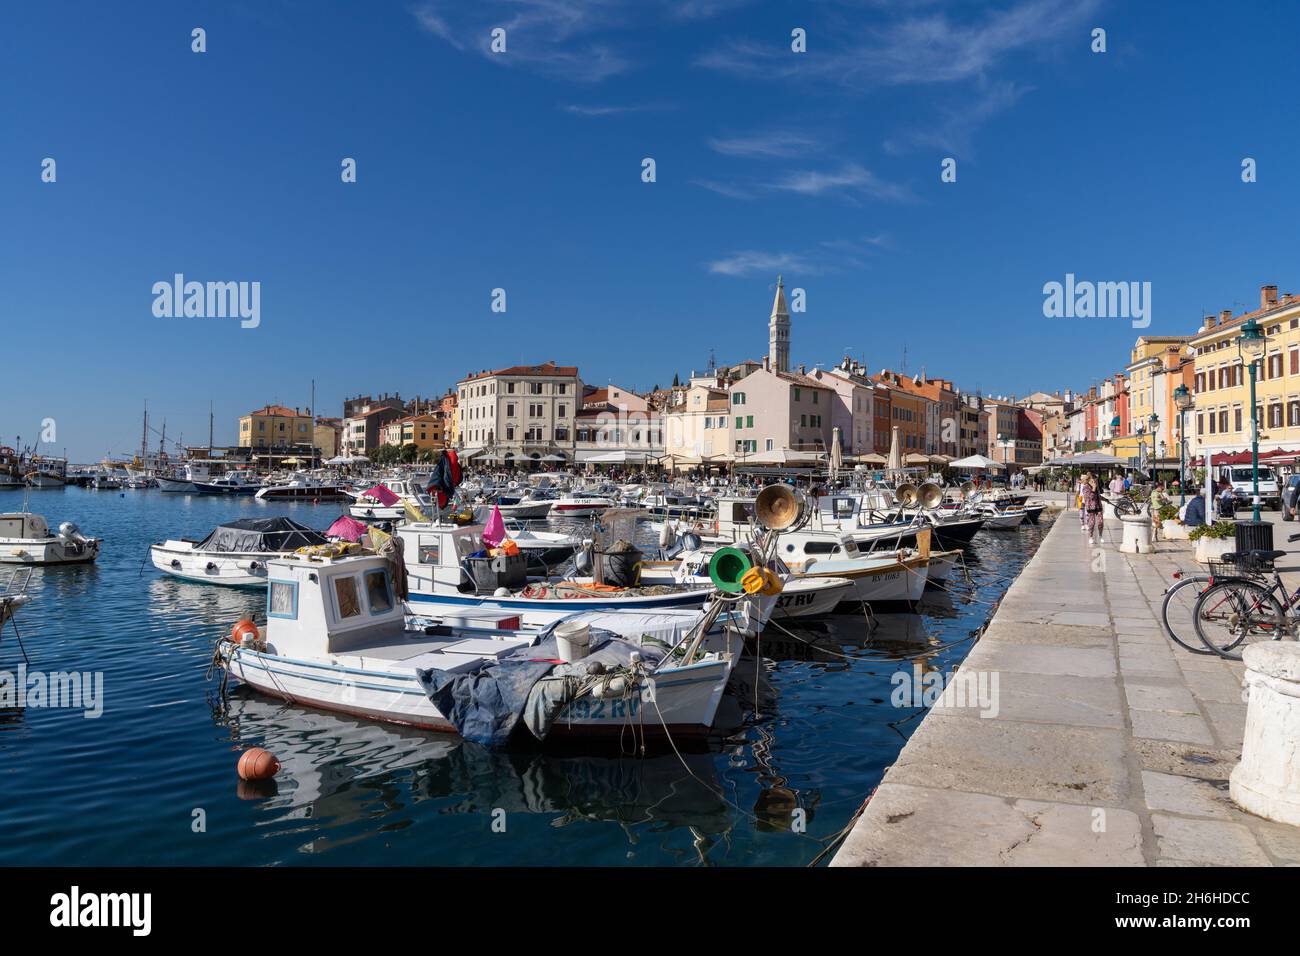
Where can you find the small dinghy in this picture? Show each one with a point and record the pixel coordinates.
(25, 538)
(235, 553)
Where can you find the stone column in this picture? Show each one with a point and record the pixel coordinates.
(1267, 781)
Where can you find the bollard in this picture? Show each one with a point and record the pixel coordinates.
(1137, 534)
(1267, 781)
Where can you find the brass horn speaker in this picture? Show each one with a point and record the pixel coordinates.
(906, 494)
(930, 495)
(967, 488)
(776, 507)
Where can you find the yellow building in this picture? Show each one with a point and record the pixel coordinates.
(1155, 367)
(422, 431)
(275, 426)
(1218, 421)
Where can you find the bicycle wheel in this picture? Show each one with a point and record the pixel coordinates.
(1179, 608)
(1234, 613)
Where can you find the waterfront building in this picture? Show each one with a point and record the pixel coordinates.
(424, 431)
(1221, 382)
(697, 423)
(363, 430)
(616, 421)
(851, 410)
(520, 413)
(275, 426)
(908, 411)
(328, 436)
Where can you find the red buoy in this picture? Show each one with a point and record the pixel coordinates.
(242, 629)
(257, 764)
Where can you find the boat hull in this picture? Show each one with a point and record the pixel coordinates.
(240, 570)
(685, 699)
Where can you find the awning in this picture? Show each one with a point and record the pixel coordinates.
(977, 461)
(611, 457)
(469, 453)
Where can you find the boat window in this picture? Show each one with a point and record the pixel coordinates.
(282, 600)
(429, 548)
(345, 591)
(820, 547)
(377, 592)
(844, 507)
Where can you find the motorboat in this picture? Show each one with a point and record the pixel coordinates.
(25, 538)
(580, 505)
(231, 483)
(235, 553)
(301, 487)
(105, 481)
(337, 638)
(405, 498)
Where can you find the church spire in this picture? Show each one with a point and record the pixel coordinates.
(778, 332)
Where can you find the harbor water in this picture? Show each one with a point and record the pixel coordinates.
(151, 780)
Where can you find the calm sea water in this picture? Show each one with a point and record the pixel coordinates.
(152, 781)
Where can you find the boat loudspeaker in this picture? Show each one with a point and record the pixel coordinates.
(967, 488)
(907, 494)
(776, 507)
(727, 568)
(930, 495)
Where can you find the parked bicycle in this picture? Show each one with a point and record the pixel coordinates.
(1242, 606)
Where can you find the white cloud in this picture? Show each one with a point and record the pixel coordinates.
(850, 179)
(832, 255)
(774, 144)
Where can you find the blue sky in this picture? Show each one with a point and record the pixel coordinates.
(522, 171)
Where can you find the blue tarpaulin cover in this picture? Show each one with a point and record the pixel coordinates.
(485, 706)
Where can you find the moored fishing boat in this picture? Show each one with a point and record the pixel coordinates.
(235, 553)
(337, 638)
(25, 538)
(302, 487)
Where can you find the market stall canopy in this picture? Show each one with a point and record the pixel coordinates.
(917, 459)
(872, 459)
(1088, 458)
(260, 534)
(337, 460)
(977, 461)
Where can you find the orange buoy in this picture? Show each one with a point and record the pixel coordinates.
(243, 629)
(257, 764)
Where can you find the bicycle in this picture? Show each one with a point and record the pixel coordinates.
(1241, 607)
(1179, 608)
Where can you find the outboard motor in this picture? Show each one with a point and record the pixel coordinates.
(73, 540)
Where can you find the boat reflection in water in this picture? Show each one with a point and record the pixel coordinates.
(338, 771)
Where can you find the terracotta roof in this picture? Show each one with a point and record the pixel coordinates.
(803, 380)
(546, 368)
(279, 410)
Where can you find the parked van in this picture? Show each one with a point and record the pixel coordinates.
(1241, 477)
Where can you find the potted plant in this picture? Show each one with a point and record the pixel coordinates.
(1213, 541)
(1171, 529)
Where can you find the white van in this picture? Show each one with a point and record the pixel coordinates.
(1241, 477)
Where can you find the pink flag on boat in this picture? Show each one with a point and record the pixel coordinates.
(349, 529)
(382, 494)
(495, 532)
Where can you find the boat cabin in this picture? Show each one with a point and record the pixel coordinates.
(23, 524)
(435, 555)
(319, 605)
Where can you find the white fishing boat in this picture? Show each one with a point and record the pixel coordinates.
(800, 596)
(235, 553)
(183, 480)
(441, 560)
(25, 538)
(337, 639)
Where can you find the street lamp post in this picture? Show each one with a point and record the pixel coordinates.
(1182, 401)
(1154, 422)
(1251, 345)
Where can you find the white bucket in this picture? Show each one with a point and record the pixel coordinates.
(573, 639)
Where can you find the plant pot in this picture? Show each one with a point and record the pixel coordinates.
(1172, 530)
(1212, 549)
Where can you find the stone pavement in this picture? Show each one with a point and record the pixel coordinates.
(1105, 743)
